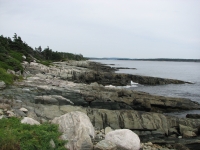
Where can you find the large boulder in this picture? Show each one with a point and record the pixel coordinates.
(124, 139)
(77, 129)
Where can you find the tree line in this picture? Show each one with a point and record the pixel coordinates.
(17, 45)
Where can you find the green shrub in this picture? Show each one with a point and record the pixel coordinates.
(11, 61)
(5, 66)
(14, 135)
(14, 63)
(17, 55)
(6, 77)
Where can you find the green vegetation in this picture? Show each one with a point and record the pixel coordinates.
(6, 77)
(14, 52)
(17, 136)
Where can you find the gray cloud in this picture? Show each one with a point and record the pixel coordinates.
(114, 28)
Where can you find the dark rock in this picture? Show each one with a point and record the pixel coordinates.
(179, 146)
(194, 116)
(122, 68)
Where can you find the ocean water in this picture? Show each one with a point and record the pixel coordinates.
(186, 71)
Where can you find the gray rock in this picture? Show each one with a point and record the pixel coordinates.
(184, 128)
(10, 114)
(172, 131)
(105, 145)
(187, 134)
(33, 115)
(30, 121)
(11, 71)
(52, 144)
(2, 85)
(19, 113)
(108, 129)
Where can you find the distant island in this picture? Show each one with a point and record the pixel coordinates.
(148, 59)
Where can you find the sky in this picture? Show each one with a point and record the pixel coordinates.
(106, 28)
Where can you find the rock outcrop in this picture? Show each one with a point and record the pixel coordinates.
(49, 92)
(89, 72)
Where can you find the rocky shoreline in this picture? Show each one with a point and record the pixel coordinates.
(49, 92)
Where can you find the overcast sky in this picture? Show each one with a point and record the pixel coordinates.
(107, 28)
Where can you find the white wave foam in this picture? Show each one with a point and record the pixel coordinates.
(133, 83)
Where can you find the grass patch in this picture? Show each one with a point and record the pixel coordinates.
(17, 55)
(46, 63)
(15, 136)
(6, 77)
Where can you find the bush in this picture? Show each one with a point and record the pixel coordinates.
(6, 77)
(15, 136)
(15, 64)
(17, 56)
